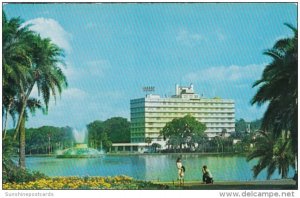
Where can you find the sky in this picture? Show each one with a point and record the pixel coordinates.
(114, 50)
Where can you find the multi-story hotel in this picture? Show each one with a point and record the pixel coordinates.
(150, 114)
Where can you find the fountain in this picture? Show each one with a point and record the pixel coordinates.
(81, 149)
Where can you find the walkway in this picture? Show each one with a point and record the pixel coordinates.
(282, 184)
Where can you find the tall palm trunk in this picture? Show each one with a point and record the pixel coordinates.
(284, 173)
(22, 144)
(6, 118)
(24, 100)
(21, 115)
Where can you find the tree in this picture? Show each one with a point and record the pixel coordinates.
(28, 60)
(155, 146)
(32, 104)
(182, 130)
(15, 61)
(45, 73)
(255, 125)
(148, 140)
(228, 144)
(279, 87)
(37, 141)
(174, 142)
(97, 136)
(273, 153)
(201, 141)
(240, 126)
(117, 129)
(218, 141)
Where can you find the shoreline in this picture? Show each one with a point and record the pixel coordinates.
(276, 184)
(128, 153)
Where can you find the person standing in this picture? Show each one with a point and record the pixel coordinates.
(181, 170)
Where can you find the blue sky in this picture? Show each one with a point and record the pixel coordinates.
(113, 50)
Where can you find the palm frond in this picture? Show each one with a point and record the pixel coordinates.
(271, 169)
(275, 54)
(295, 30)
(282, 44)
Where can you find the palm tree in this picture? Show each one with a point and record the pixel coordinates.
(148, 140)
(279, 87)
(273, 153)
(45, 73)
(7, 102)
(220, 143)
(15, 61)
(32, 105)
(28, 61)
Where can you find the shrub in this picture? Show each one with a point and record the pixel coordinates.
(13, 173)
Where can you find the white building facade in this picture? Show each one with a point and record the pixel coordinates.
(150, 114)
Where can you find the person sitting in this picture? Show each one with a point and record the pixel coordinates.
(207, 177)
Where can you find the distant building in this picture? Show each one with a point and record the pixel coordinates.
(151, 113)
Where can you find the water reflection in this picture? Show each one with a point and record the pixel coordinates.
(150, 167)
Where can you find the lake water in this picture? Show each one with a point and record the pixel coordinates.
(150, 167)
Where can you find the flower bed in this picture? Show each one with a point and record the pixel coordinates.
(84, 183)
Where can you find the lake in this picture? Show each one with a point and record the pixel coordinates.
(148, 167)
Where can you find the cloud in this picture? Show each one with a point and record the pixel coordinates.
(50, 28)
(221, 35)
(69, 71)
(66, 95)
(90, 25)
(71, 99)
(114, 95)
(97, 67)
(232, 73)
(90, 69)
(74, 93)
(189, 38)
(68, 110)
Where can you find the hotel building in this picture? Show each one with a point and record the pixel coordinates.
(151, 113)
